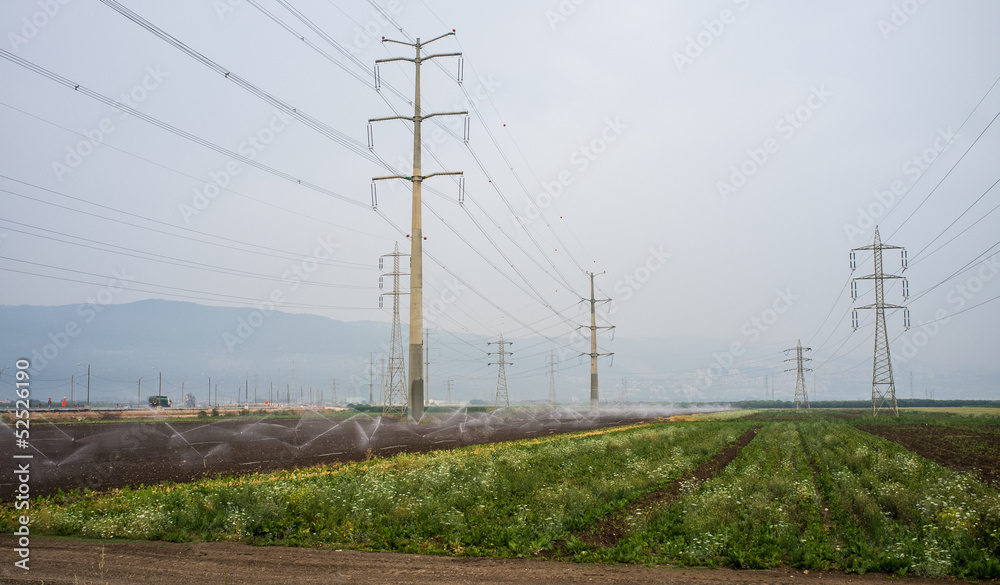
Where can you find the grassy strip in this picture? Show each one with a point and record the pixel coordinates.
(898, 512)
(761, 511)
(502, 499)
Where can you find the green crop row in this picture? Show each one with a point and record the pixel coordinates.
(763, 510)
(898, 512)
(503, 499)
(821, 495)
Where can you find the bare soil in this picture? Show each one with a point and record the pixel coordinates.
(61, 561)
(963, 449)
(108, 455)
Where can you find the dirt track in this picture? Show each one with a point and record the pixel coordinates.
(60, 561)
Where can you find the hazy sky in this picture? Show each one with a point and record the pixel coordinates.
(718, 160)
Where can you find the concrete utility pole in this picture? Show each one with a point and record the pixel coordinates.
(883, 385)
(88, 385)
(427, 366)
(552, 364)
(594, 391)
(371, 377)
(502, 374)
(801, 396)
(416, 378)
(394, 393)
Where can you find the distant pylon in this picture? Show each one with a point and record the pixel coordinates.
(394, 395)
(883, 385)
(594, 388)
(801, 396)
(447, 399)
(552, 363)
(502, 374)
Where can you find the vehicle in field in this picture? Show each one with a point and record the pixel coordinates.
(159, 402)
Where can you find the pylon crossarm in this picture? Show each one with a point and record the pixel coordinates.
(438, 38)
(402, 177)
(390, 60)
(407, 118)
(435, 56)
(883, 305)
(879, 247)
(873, 277)
(442, 173)
(428, 116)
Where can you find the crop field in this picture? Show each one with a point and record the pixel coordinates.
(815, 492)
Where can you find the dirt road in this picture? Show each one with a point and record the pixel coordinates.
(57, 561)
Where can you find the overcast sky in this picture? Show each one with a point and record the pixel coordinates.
(717, 161)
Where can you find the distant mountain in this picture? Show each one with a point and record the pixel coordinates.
(184, 341)
(241, 347)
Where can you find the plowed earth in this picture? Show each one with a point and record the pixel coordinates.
(964, 449)
(116, 454)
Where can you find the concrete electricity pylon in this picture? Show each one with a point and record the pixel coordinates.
(427, 366)
(447, 399)
(801, 396)
(416, 379)
(552, 364)
(394, 391)
(883, 385)
(502, 374)
(594, 391)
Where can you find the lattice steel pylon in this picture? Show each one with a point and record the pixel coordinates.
(552, 364)
(801, 395)
(883, 385)
(502, 373)
(394, 394)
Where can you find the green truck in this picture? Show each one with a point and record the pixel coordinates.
(159, 402)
